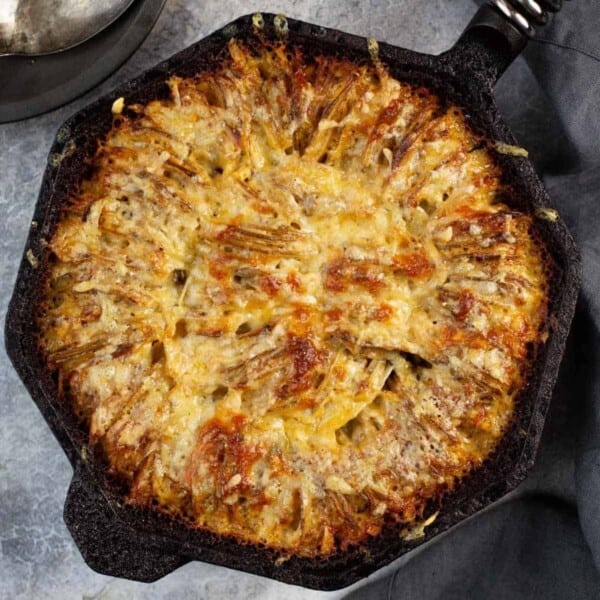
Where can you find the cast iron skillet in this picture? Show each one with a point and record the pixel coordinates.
(140, 544)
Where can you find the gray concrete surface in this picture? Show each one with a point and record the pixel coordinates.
(37, 556)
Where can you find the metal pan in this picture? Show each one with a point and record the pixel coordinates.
(30, 86)
(144, 545)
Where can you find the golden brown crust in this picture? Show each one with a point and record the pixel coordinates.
(289, 302)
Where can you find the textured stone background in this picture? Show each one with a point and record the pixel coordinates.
(37, 557)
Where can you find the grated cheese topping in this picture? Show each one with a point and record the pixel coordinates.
(290, 302)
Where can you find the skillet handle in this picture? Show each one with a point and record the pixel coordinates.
(500, 30)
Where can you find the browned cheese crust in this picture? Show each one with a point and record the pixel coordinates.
(290, 303)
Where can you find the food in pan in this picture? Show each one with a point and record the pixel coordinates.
(291, 302)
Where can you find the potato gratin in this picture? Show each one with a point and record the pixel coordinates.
(290, 301)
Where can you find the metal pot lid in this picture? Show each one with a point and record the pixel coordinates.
(31, 85)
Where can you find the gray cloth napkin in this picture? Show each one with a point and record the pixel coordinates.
(543, 541)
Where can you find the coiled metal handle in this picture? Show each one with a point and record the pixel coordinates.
(527, 14)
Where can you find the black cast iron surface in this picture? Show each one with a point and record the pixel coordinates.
(141, 544)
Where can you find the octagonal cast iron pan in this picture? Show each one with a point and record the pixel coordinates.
(140, 544)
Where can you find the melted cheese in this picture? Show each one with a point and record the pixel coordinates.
(289, 301)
